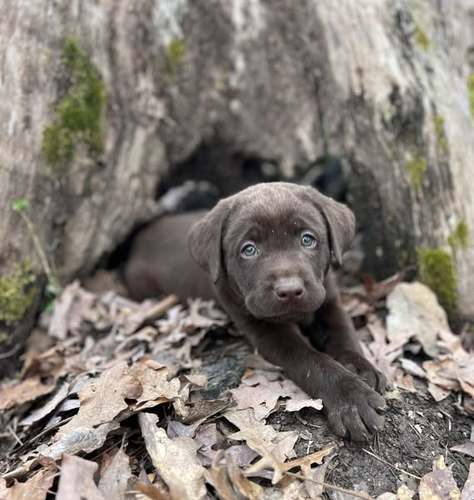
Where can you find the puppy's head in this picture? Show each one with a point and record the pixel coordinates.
(272, 245)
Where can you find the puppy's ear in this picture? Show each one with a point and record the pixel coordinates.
(340, 221)
(205, 239)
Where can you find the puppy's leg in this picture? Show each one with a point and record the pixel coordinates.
(350, 404)
(341, 341)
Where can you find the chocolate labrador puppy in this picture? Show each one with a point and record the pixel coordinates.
(268, 252)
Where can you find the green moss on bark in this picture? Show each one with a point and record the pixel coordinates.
(459, 238)
(175, 52)
(416, 168)
(421, 38)
(441, 139)
(17, 292)
(470, 90)
(79, 113)
(437, 270)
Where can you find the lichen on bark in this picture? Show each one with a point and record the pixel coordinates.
(79, 113)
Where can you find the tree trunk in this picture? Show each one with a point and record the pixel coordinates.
(99, 99)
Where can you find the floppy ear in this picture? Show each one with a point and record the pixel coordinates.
(340, 221)
(205, 239)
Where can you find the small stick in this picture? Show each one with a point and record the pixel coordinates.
(329, 486)
(380, 459)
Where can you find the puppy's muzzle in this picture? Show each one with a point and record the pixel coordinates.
(287, 290)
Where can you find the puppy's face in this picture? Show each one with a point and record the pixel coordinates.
(276, 254)
(272, 244)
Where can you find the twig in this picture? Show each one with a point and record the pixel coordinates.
(11, 352)
(52, 278)
(380, 459)
(14, 434)
(329, 486)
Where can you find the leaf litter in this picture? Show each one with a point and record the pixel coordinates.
(117, 407)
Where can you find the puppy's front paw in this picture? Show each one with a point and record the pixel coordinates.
(353, 409)
(357, 364)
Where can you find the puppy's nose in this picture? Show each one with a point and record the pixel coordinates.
(287, 289)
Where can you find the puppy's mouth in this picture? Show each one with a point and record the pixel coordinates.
(296, 317)
(274, 312)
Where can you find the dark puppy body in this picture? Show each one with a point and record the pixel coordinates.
(268, 251)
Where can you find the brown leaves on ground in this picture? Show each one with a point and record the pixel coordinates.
(103, 399)
(77, 480)
(35, 488)
(117, 365)
(24, 392)
(261, 390)
(174, 459)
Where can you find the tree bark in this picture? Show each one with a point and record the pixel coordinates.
(99, 99)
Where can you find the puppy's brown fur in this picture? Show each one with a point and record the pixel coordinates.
(268, 251)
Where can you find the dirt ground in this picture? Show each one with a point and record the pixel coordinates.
(417, 430)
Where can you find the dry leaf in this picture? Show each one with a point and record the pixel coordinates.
(261, 391)
(103, 399)
(414, 311)
(155, 381)
(412, 368)
(466, 448)
(241, 454)
(197, 379)
(175, 460)
(468, 490)
(274, 447)
(68, 310)
(439, 484)
(76, 440)
(203, 409)
(77, 480)
(314, 488)
(246, 488)
(382, 352)
(218, 477)
(35, 488)
(437, 393)
(24, 392)
(53, 402)
(114, 477)
(304, 463)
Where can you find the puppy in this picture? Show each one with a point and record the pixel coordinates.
(265, 254)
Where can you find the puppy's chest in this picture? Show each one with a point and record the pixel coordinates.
(315, 331)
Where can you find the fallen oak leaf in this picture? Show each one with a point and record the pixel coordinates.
(439, 484)
(35, 488)
(174, 459)
(245, 487)
(218, 477)
(262, 390)
(155, 381)
(304, 463)
(53, 402)
(79, 439)
(28, 390)
(104, 398)
(115, 475)
(274, 447)
(68, 310)
(466, 448)
(414, 311)
(77, 480)
(468, 489)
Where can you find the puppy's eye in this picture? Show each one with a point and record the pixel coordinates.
(308, 240)
(249, 250)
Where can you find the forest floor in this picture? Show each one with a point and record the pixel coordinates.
(119, 400)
